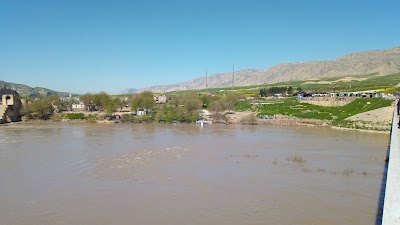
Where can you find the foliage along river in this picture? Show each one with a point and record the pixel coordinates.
(60, 173)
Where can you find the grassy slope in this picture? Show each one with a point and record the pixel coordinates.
(334, 115)
(304, 110)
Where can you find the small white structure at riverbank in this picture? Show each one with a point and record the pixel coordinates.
(202, 122)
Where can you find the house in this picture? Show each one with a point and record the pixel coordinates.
(10, 105)
(141, 112)
(161, 99)
(125, 108)
(78, 107)
(369, 94)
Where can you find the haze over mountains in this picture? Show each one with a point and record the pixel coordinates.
(381, 62)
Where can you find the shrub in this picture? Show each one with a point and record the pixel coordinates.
(75, 116)
(296, 158)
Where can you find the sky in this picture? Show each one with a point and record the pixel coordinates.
(82, 46)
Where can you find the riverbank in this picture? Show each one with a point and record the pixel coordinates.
(377, 120)
(287, 113)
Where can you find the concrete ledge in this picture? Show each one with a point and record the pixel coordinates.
(391, 207)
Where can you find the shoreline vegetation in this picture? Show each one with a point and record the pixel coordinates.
(279, 112)
(348, 104)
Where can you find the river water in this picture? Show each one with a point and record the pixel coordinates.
(92, 174)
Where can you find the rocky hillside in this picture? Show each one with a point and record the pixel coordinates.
(381, 62)
(27, 91)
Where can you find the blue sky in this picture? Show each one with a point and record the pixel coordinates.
(90, 46)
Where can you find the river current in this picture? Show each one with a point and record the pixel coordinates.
(150, 174)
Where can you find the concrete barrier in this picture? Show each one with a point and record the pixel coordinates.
(391, 207)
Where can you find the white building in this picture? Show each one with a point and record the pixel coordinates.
(140, 112)
(161, 99)
(78, 107)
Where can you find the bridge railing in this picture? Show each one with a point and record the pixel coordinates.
(391, 207)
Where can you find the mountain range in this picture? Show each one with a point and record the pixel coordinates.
(130, 91)
(380, 62)
(27, 91)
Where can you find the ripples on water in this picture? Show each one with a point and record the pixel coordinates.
(58, 173)
(133, 165)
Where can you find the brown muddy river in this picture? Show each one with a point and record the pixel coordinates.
(92, 174)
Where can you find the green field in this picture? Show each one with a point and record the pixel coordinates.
(334, 116)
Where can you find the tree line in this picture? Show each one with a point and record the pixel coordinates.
(275, 90)
(180, 108)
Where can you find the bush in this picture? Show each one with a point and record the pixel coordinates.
(128, 118)
(250, 119)
(75, 116)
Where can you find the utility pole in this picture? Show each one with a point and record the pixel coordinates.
(206, 80)
(233, 76)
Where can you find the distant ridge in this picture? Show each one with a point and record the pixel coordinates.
(27, 91)
(380, 62)
(129, 91)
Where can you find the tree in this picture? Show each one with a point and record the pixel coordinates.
(191, 101)
(175, 101)
(100, 99)
(205, 100)
(263, 92)
(86, 99)
(195, 116)
(160, 115)
(170, 115)
(144, 100)
(55, 102)
(217, 108)
(289, 90)
(110, 106)
(230, 100)
(41, 108)
(182, 114)
(275, 90)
